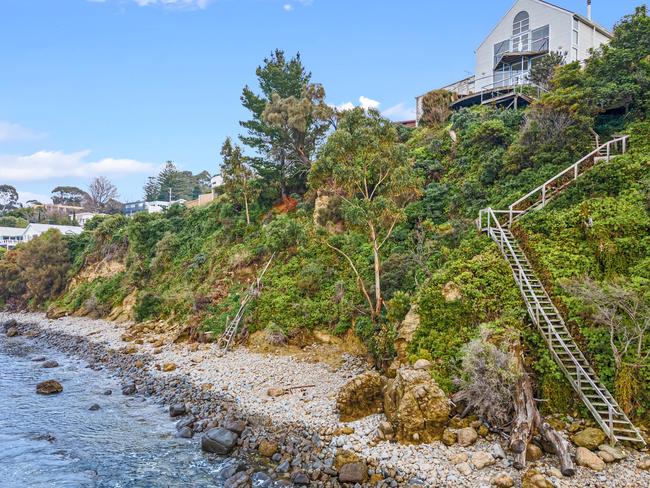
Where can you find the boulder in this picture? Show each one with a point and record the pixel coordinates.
(51, 363)
(533, 453)
(589, 438)
(219, 441)
(177, 410)
(343, 457)
(353, 473)
(185, 432)
(606, 456)
(467, 436)
(644, 464)
(12, 332)
(482, 459)
(129, 389)
(94, 407)
(586, 458)
(534, 479)
(449, 437)
(49, 387)
(236, 426)
(503, 481)
(422, 364)
(416, 406)
(8, 324)
(405, 333)
(267, 448)
(616, 452)
(361, 396)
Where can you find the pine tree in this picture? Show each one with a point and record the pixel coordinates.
(237, 176)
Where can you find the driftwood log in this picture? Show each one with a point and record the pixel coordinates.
(528, 420)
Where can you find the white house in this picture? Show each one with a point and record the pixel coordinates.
(83, 217)
(35, 230)
(10, 237)
(529, 30)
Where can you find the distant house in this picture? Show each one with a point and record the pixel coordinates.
(83, 217)
(10, 237)
(528, 31)
(157, 206)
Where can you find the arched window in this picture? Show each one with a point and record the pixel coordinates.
(520, 28)
(521, 23)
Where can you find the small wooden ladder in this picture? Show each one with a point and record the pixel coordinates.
(542, 311)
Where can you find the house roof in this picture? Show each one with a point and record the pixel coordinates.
(11, 231)
(64, 229)
(580, 17)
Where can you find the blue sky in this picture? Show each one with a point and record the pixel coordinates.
(117, 87)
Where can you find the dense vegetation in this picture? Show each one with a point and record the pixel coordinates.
(374, 219)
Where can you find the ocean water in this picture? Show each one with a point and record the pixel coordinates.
(56, 441)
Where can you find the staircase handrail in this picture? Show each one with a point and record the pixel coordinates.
(574, 167)
(538, 309)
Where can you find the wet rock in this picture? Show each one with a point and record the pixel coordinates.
(467, 436)
(185, 432)
(267, 448)
(94, 407)
(360, 397)
(300, 479)
(416, 406)
(39, 359)
(240, 479)
(12, 332)
(219, 441)
(129, 389)
(49, 387)
(503, 481)
(236, 426)
(107, 392)
(50, 364)
(177, 410)
(482, 459)
(261, 480)
(9, 324)
(586, 458)
(589, 438)
(353, 473)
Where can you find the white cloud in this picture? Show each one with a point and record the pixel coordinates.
(16, 132)
(287, 7)
(44, 165)
(26, 196)
(399, 112)
(364, 102)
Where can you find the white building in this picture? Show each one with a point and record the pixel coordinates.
(529, 30)
(83, 217)
(10, 237)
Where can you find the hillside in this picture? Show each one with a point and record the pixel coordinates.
(353, 261)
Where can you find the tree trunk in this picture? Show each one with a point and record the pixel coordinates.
(528, 419)
(377, 260)
(248, 218)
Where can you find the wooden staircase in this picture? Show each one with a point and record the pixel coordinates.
(542, 311)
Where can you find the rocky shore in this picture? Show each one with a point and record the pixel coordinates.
(280, 415)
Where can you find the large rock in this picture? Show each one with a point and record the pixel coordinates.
(49, 387)
(361, 396)
(533, 453)
(503, 481)
(177, 409)
(590, 438)
(267, 448)
(353, 473)
(416, 406)
(219, 441)
(449, 437)
(405, 333)
(467, 436)
(482, 459)
(12, 332)
(586, 458)
(616, 452)
(51, 363)
(534, 479)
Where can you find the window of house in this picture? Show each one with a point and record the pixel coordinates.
(520, 32)
(500, 48)
(540, 39)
